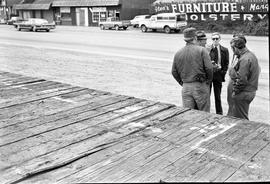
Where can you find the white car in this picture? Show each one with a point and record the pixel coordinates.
(164, 21)
(136, 20)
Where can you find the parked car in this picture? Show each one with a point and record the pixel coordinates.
(114, 23)
(35, 24)
(136, 20)
(14, 20)
(165, 21)
(3, 21)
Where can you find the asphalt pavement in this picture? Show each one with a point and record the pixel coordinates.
(123, 62)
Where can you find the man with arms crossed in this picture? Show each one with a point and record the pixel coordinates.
(244, 79)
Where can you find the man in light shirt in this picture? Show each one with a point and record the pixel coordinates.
(220, 59)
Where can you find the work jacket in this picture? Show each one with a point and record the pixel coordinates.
(192, 64)
(245, 74)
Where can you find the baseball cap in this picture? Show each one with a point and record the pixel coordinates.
(201, 35)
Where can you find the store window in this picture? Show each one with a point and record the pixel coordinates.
(95, 17)
(102, 16)
(111, 13)
(65, 13)
(117, 14)
(99, 14)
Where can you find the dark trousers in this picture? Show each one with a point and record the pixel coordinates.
(239, 104)
(217, 92)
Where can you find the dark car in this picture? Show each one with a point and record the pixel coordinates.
(35, 24)
(14, 20)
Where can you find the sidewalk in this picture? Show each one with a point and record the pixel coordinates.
(87, 28)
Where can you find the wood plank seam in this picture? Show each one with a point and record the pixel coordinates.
(246, 162)
(141, 129)
(26, 82)
(2, 145)
(82, 102)
(83, 105)
(25, 176)
(176, 145)
(115, 139)
(131, 134)
(13, 103)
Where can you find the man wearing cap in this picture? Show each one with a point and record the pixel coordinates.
(201, 38)
(244, 77)
(220, 60)
(193, 70)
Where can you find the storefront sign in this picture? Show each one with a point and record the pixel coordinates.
(224, 16)
(217, 10)
(65, 9)
(99, 9)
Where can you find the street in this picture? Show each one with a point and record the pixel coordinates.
(124, 62)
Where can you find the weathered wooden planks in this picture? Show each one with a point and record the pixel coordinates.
(52, 132)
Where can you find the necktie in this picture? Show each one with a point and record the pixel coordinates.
(215, 54)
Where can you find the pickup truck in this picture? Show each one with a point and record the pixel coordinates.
(114, 23)
(165, 21)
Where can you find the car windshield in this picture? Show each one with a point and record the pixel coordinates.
(38, 21)
(15, 18)
(142, 17)
(181, 17)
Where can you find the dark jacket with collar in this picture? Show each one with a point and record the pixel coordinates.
(192, 61)
(245, 74)
(219, 75)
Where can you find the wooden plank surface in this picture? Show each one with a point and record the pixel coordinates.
(53, 132)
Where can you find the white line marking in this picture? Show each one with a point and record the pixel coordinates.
(225, 128)
(64, 100)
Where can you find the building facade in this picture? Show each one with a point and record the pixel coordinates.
(216, 10)
(82, 12)
(6, 8)
(35, 9)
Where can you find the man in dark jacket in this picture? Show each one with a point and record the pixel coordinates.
(201, 38)
(193, 70)
(244, 79)
(220, 60)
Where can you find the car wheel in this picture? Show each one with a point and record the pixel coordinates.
(48, 30)
(167, 29)
(125, 28)
(143, 28)
(102, 27)
(116, 27)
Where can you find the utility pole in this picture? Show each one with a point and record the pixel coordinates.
(6, 9)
